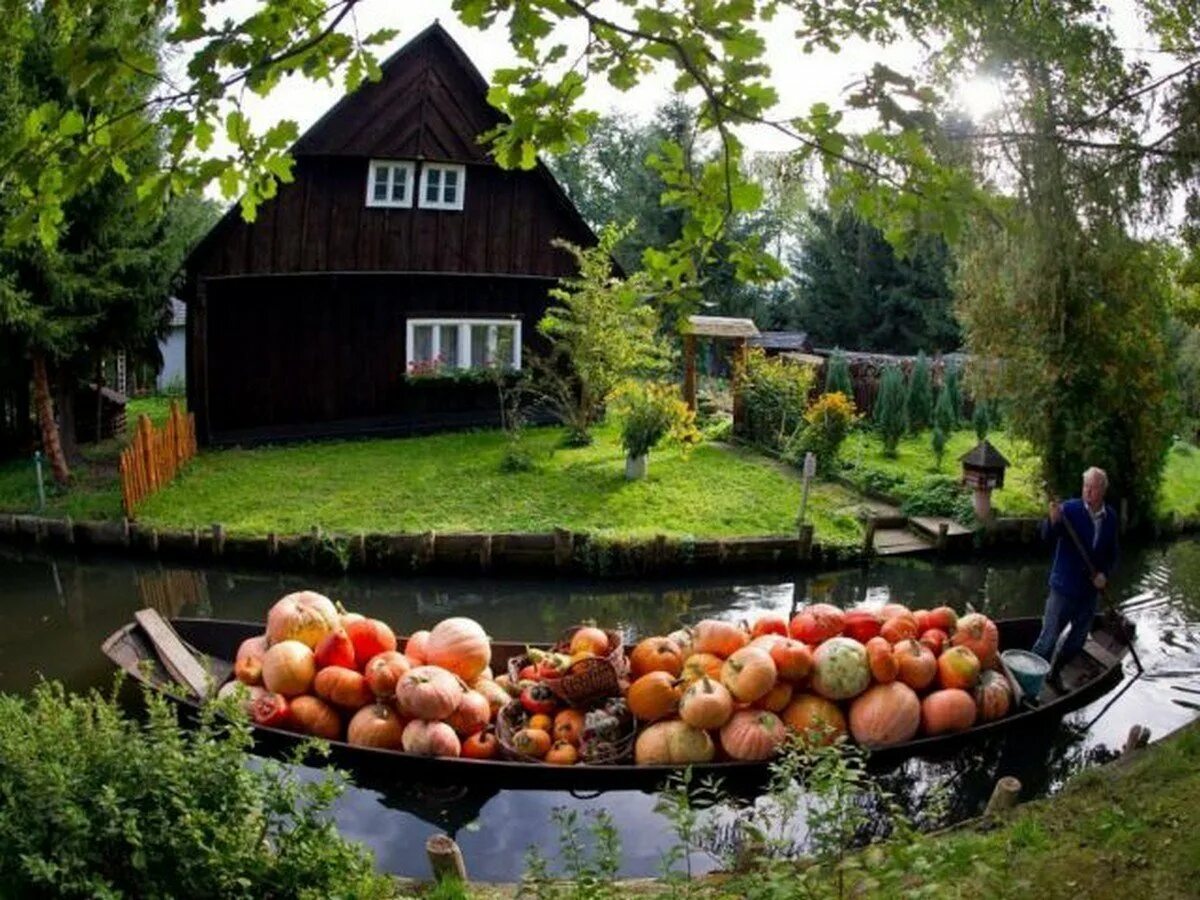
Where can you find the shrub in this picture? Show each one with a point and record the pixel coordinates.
(827, 421)
(919, 402)
(775, 393)
(99, 805)
(650, 412)
(952, 384)
(938, 495)
(837, 376)
(943, 423)
(981, 420)
(889, 409)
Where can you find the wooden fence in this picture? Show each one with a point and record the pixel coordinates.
(155, 455)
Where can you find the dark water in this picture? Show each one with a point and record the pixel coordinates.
(56, 611)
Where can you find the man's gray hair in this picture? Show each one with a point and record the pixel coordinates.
(1097, 474)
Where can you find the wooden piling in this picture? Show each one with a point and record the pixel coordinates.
(1004, 797)
(445, 858)
(1139, 737)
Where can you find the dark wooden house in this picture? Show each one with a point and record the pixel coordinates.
(400, 251)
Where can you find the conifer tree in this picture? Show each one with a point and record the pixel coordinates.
(889, 409)
(953, 384)
(920, 395)
(837, 376)
(981, 420)
(943, 423)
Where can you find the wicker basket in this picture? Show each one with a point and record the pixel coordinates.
(511, 718)
(616, 659)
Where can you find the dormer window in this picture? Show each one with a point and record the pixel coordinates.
(389, 183)
(442, 186)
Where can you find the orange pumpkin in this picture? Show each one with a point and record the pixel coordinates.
(777, 698)
(383, 670)
(654, 696)
(944, 619)
(459, 645)
(769, 625)
(655, 654)
(415, 647)
(472, 715)
(978, 634)
(793, 659)
(882, 660)
(862, 624)
(753, 734)
(532, 742)
(673, 743)
(313, 716)
(428, 693)
(915, 665)
(481, 745)
(749, 674)
(369, 637)
(946, 711)
(568, 726)
(885, 714)
(899, 628)
(817, 623)
(958, 667)
(248, 666)
(935, 639)
(993, 696)
(706, 704)
(701, 665)
(820, 721)
(540, 721)
(342, 687)
(718, 637)
(891, 610)
(561, 753)
(376, 725)
(304, 616)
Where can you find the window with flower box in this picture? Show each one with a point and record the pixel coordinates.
(441, 346)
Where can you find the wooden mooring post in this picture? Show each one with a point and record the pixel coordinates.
(445, 858)
(1004, 797)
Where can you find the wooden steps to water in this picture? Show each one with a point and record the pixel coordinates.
(894, 534)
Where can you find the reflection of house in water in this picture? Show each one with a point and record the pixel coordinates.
(172, 592)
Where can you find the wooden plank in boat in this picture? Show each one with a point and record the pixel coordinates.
(175, 656)
(1098, 652)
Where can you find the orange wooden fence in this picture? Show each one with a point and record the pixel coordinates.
(155, 455)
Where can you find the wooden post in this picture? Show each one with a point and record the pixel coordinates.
(218, 539)
(564, 548)
(869, 538)
(272, 545)
(943, 530)
(689, 371)
(485, 554)
(804, 541)
(445, 858)
(735, 384)
(68, 531)
(1139, 736)
(1004, 797)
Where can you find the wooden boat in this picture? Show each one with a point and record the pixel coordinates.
(144, 649)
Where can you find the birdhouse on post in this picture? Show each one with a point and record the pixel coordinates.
(983, 470)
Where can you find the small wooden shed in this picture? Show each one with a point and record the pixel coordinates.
(738, 331)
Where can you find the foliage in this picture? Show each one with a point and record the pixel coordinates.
(952, 385)
(939, 495)
(1187, 373)
(601, 330)
(837, 375)
(981, 420)
(590, 871)
(775, 393)
(650, 412)
(97, 804)
(827, 421)
(944, 422)
(918, 404)
(854, 289)
(890, 408)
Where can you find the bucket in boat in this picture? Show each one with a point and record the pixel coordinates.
(1028, 669)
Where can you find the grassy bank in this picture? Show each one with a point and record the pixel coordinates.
(453, 482)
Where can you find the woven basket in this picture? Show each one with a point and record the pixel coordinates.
(512, 718)
(615, 658)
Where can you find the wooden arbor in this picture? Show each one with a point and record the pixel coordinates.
(735, 330)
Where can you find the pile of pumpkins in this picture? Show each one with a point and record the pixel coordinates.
(883, 677)
(319, 671)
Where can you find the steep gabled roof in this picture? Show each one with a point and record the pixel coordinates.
(430, 102)
(984, 456)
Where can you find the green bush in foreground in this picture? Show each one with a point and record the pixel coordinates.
(96, 804)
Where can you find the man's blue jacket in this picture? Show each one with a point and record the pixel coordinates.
(1070, 575)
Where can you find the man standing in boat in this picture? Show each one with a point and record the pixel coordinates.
(1082, 564)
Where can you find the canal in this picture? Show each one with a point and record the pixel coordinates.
(55, 612)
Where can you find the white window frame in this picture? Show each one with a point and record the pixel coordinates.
(426, 168)
(392, 164)
(464, 339)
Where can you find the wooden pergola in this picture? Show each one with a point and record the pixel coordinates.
(735, 330)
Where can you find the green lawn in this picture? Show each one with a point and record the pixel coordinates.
(1180, 495)
(453, 482)
(156, 406)
(902, 476)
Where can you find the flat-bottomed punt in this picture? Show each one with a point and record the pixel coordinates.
(212, 645)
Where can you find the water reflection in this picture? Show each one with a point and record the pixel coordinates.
(56, 611)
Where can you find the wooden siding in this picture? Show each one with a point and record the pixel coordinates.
(307, 350)
(321, 223)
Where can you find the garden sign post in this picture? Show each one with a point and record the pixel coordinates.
(810, 469)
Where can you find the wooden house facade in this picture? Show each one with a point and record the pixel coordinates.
(372, 290)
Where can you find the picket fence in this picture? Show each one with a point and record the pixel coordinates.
(155, 455)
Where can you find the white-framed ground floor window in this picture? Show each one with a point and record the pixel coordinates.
(435, 345)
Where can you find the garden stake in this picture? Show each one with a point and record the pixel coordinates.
(37, 462)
